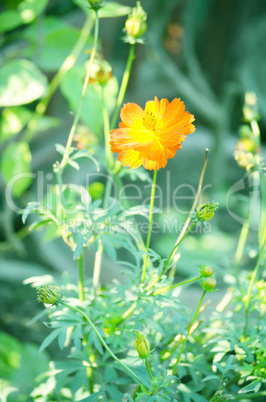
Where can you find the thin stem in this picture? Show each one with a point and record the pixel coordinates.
(97, 265)
(188, 332)
(241, 243)
(87, 318)
(77, 116)
(169, 258)
(162, 290)
(129, 311)
(148, 368)
(99, 252)
(60, 185)
(254, 275)
(108, 152)
(123, 86)
(55, 82)
(196, 198)
(178, 243)
(81, 277)
(150, 227)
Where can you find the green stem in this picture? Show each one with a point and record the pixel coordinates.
(81, 277)
(169, 258)
(86, 81)
(194, 203)
(129, 311)
(177, 245)
(97, 265)
(99, 252)
(241, 243)
(148, 368)
(254, 275)
(150, 227)
(108, 152)
(123, 86)
(188, 332)
(87, 318)
(175, 286)
(55, 82)
(60, 185)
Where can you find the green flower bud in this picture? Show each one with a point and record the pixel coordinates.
(95, 4)
(208, 284)
(49, 294)
(206, 271)
(245, 160)
(142, 345)
(101, 72)
(136, 24)
(205, 212)
(250, 108)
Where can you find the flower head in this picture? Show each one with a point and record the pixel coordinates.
(151, 136)
(206, 271)
(136, 24)
(208, 284)
(142, 345)
(205, 212)
(95, 4)
(49, 294)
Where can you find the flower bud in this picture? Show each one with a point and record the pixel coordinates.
(206, 271)
(142, 345)
(136, 24)
(95, 4)
(208, 284)
(205, 212)
(49, 294)
(101, 72)
(250, 109)
(245, 160)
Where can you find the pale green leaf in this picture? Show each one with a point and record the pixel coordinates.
(15, 166)
(21, 82)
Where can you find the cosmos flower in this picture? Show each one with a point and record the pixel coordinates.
(149, 137)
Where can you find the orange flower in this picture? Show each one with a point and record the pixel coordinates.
(149, 137)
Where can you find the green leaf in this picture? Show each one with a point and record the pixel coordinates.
(254, 386)
(112, 9)
(71, 87)
(21, 82)
(79, 239)
(31, 207)
(109, 374)
(50, 338)
(229, 363)
(15, 167)
(13, 120)
(109, 10)
(9, 19)
(25, 13)
(57, 45)
(210, 377)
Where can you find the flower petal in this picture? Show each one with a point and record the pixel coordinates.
(132, 115)
(130, 158)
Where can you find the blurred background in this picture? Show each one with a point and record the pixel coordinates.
(208, 53)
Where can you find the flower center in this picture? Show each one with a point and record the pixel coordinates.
(150, 121)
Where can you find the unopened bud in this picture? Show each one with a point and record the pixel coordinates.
(142, 345)
(206, 271)
(250, 109)
(205, 212)
(95, 4)
(49, 294)
(101, 72)
(136, 24)
(208, 284)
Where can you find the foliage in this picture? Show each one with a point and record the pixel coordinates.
(210, 354)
